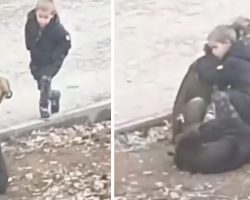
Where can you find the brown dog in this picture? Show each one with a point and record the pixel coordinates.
(5, 90)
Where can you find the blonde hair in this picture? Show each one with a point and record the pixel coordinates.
(46, 5)
(222, 33)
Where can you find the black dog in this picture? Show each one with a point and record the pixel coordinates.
(204, 151)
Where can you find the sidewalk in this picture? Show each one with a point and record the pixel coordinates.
(85, 75)
(156, 41)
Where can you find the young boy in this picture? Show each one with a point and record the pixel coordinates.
(48, 43)
(233, 76)
(191, 105)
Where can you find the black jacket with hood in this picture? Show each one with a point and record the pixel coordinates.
(48, 47)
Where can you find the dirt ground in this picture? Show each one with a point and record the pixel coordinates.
(85, 75)
(155, 42)
(66, 164)
(144, 171)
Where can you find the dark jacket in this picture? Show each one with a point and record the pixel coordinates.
(234, 73)
(235, 69)
(237, 66)
(193, 86)
(49, 47)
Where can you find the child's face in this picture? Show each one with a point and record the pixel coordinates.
(44, 17)
(219, 49)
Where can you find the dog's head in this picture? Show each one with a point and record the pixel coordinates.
(242, 27)
(5, 90)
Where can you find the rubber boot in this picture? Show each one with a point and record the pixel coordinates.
(55, 101)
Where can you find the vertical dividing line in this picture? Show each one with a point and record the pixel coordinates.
(112, 97)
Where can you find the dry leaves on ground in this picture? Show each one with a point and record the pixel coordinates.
(72, 164)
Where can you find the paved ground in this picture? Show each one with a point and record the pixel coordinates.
(155, 43)
(85, 76)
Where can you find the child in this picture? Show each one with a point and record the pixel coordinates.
(194, 95)
(233, 76)
(48, 43)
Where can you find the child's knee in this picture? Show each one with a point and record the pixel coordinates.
(194, 110)
(44, 82)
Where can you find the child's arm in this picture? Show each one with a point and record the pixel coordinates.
(27, 35)
(61, 51)
(31, 32)
(184, 94)
(210, 71)
(63, 45)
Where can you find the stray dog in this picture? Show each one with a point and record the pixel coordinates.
(5, 90)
